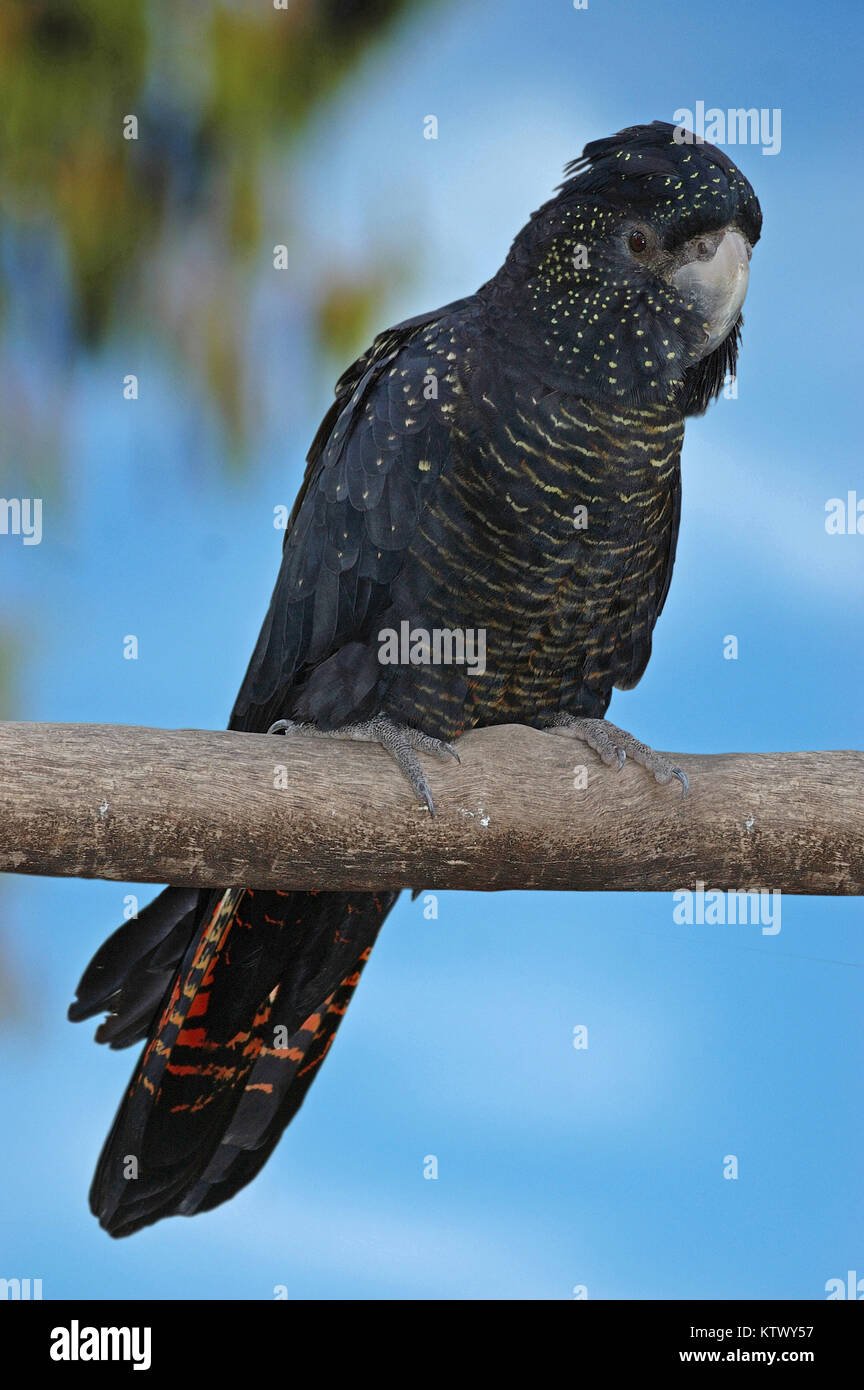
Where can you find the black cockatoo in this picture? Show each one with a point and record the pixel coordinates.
(510, 464)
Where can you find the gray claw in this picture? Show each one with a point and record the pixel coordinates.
(399, 741)
(408, 763)
(683, 779)
(602, 736)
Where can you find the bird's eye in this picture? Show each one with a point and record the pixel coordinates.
(638, 242)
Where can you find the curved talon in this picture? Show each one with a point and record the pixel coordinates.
(401, 741)
(600, 735)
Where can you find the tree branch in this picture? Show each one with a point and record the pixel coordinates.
(213, 809)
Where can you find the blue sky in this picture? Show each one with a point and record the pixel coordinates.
(557, 1167)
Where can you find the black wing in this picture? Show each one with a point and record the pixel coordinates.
(374, 461)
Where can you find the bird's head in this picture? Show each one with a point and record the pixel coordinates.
(634, 275)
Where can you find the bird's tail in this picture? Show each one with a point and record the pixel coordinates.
(239, 996)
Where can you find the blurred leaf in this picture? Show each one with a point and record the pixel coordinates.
(346, 312)
(213, 88)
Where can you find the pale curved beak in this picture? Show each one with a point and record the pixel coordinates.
(717, 286)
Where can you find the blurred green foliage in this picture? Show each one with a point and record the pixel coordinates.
(160, 236)
(67, 71)
(220, 90)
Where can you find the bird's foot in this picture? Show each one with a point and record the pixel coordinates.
(401, 741)
(614, 746)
